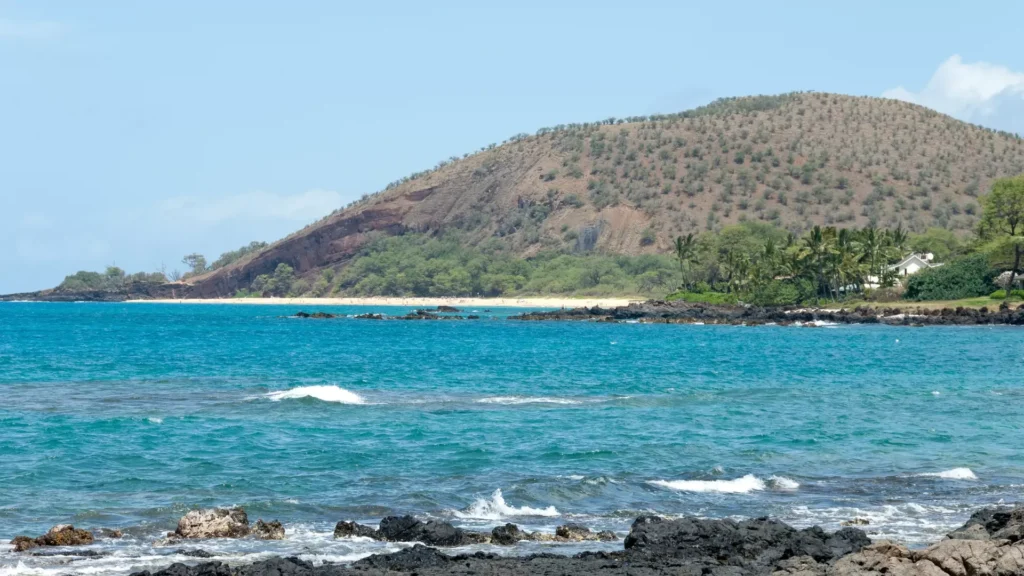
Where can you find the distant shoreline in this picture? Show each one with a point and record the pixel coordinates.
(542, 302)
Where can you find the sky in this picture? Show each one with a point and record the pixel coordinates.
(133, 133)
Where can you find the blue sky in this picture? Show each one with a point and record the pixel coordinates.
(135, 132)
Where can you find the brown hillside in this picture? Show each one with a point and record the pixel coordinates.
(794, 160)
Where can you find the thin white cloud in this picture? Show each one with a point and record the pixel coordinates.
(29, 30)
(253, 206)
(979, 92)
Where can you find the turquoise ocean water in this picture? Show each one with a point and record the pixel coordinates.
(128, 415)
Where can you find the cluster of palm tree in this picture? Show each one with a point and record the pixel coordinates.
(836, 261)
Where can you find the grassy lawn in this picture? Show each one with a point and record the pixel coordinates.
(980, 302)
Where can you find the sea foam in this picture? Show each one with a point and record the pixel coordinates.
(743, 485)
(953, 474)
(324, 393)
(496, 508)
(513, 400)
(783, 483)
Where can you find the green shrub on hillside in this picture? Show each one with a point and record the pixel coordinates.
(113, 278)
(782, 293)
(280, 283)
(416, 265)
(703, 297)
(965, 278)
(232, 256)
(1001, 295)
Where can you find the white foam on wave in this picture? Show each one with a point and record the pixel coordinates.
(496, 508)
(816, 324)
(783, 483)
(908, 523)
(155, 420)
(953, 474)
(514, 400)
(742, 485)
(325, 393)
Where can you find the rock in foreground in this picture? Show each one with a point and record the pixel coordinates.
(654, 546)
(268, 530)
(213, 523)
(431, 532)
(954, 557)
(59, 535)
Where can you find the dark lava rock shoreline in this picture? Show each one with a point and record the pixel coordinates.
(661, 312)
(991, 543)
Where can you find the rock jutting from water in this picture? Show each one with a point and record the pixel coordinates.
(224, 523)
(272, 530)
(59, 535)
(991, 543)
(438, 533)
(660, 312)
(213, 523)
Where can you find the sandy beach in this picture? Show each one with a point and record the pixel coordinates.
(419, 302)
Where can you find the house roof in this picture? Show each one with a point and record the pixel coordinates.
(922, 260)
(912, 257)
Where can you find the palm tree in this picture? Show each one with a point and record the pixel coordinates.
(898, 239)
(872, 248)
(737, 267)
(686, 250)
(767, 265)
(843, 271)
(816, 249)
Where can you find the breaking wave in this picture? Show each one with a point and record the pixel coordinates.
(324, 393)
(742, 485)
(953, 474)
(783, 483)
(496, 508)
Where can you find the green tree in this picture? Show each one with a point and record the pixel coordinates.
(944, 244)
(685, 251)
(277, 284)
(1002, 221)
(872, 245)
(195, 261)
(816, 249)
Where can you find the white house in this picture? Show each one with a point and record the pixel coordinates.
(914, 263)
(911, 264)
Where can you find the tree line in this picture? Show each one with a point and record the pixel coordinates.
(775, 267)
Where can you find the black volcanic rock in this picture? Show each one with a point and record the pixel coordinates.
(993, 524)
(660, 312)
(754, 544)
(346, 529)
(431, 532)
(508, 535)
(272, 530)
(413, 559)
(655, 546)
